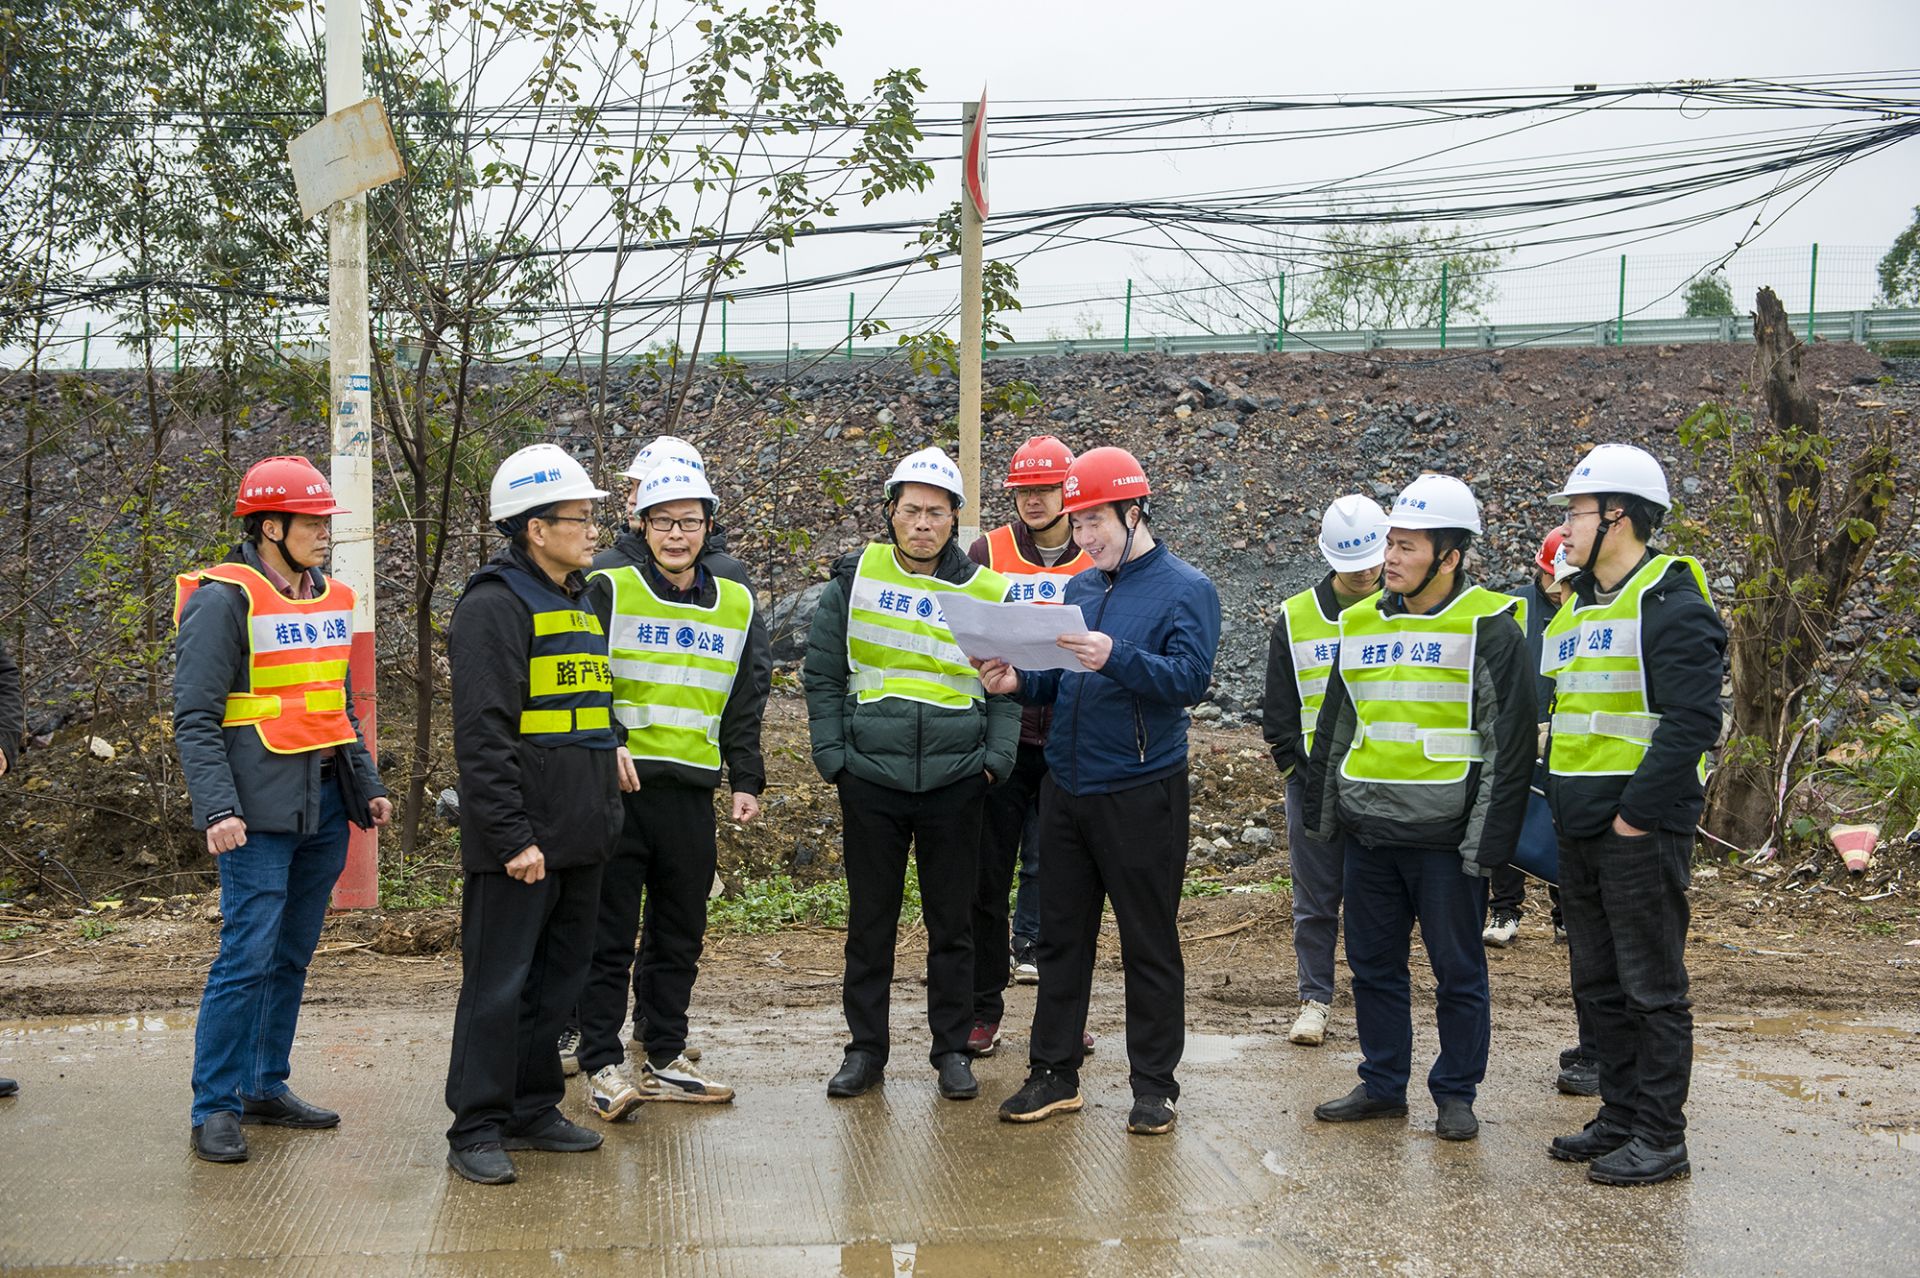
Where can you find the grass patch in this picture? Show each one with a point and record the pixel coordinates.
(419, 884)
(18, 932)
(95, 929)
(775, 903)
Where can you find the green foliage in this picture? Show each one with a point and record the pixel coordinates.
(1199, 888)
(95, 929)
(1387, 275)
(775, 903)
(1889, 771)
(1900, 268)
(413, 883)
(1709, 297)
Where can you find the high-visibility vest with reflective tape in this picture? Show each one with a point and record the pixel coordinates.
(1411, 681)
(674, 666)
(1313, 638)
(297, 651)
(569, 685)
(898, 644)
(1602, 723)
(1032, 582)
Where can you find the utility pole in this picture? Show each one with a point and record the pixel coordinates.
(973, 215)
(351, 411)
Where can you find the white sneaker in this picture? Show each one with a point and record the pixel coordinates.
(569, 1052)
(679, 1081)
(1310, 1027)
(612, 1092)
(1500, 930)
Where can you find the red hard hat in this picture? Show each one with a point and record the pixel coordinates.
(1102, 475)
(285, 485)
(1040, 462)
(1550, 550)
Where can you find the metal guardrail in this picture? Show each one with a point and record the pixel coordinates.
(1859, 327)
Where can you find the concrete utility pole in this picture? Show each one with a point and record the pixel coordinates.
(973, 215)
(351, 410)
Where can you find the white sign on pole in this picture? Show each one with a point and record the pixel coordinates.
(347, 154)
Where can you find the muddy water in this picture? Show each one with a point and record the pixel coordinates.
(1791, 1124)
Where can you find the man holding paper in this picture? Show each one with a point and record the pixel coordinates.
(900, 723)
(1113, 809)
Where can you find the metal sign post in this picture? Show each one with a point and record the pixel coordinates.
(973, 216)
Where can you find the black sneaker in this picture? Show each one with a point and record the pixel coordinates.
(484, 1164)
(1151, 1116)
(561, 1136)
(1026, 963)
(1045, 1094)
(1579, 1077)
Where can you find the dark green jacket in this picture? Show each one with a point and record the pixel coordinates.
(901, 744)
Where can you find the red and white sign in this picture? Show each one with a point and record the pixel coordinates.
(976, 159)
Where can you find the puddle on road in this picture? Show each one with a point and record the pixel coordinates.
(1801, 1087)
(144, 1023)
(1799, 1023)
(1907, 1138)
(1217, 1049)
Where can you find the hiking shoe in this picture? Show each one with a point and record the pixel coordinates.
(1357, 1105)
(483, 1164)
(1026, 963)
(985, 1038)
(956, 1077)
(1151, 1116)
(860, 1073)
(1579, 1077)
(1501, 930)
(561, 1136)
(1310, 1027)
(678, 1080)
(569, 1051)
(1559, 934)
(1456, 1121)
(1639, 1163)
(1590, 1142)
(1044, 1094)
(612, 1093)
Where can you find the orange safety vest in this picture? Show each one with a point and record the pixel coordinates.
(297, 652)
(1032, 583)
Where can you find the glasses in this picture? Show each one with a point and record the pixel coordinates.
(565, 519)
(691, 524)
(1582, 514)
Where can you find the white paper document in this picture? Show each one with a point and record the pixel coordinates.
(1020, 634)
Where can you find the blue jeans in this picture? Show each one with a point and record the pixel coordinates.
(1387, 891)
(273, 899)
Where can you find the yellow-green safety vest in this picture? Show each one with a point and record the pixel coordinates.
(898, 644)
(1411, 681)
(569, 687)
(1602, 724)
(1314, 640)
(674, 666)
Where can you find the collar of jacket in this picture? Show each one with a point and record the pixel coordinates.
(1135, 565)
(694, 594)
(1023, 538)
(953, 564)
(244, 552)
(575, 585)
(1392, 604)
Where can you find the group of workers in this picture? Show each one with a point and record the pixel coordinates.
(601, 697)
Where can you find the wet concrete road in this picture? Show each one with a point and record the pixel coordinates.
(94, 1168)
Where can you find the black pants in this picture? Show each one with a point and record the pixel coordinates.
(523, 956)
(942, 827)
(666, 853)
(1009, 804)
(1129, 847)
(1626, 910)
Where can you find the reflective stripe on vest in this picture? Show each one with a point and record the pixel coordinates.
(674, 666)
(569, 685)
(297, 651)
(898, 644)
(1411, 681)
(1314, 641)
(1602, 723)
(1031, 582)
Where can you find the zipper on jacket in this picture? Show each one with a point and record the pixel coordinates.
(1139, 729)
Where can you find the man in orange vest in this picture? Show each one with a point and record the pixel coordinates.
(276, 768)
(1036, 552)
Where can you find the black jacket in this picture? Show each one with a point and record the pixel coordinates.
(513, 793)
(1280, 704)
(1540, 611)
(13, 711)
(1480, 818)
(1035, 721)
(1684, 649)
(746, 704)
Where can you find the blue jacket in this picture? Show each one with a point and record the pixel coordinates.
(1126, 724)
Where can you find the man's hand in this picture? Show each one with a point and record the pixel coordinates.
(997, 677)
(1625, 831)
(746, 807)
(381, 810)
(3, 763)
(629, 779)
(530, 866)
(225, 836)
(1092, 648)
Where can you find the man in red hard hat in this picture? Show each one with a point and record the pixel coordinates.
(276, 768)
(1035, 552)
(1113, 807)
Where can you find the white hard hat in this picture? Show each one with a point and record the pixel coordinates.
(665, 448)
(538, 475)
(1436, 501)
(928, 466)
(1618, 468)
(1563, 567)
(671, 481)
(1353, 534)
